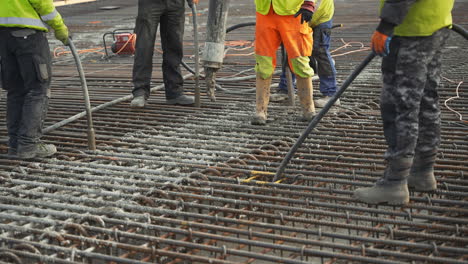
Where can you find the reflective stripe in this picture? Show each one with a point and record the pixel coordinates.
(22, 21)
(50, 16)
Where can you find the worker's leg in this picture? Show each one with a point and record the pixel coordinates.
(325, 64)
(405, 73)
(146, 26)
(422, 172)
(172, 33)
(266, 44)
(297, 40)
(33, 59)
(13, 84)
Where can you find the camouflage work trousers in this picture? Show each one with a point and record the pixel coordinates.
(409, 99)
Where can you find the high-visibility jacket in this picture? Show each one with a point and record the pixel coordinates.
(424, 17)
(281, 7)
(323, 13)
(30, 14)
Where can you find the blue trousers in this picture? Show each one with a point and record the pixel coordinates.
(321, 60)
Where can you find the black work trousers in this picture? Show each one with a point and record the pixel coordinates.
(26, 75)
(169, 15)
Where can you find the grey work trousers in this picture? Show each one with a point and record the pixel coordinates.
(26, 75)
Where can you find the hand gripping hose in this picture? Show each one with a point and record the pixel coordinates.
(89, 118)
(313, 123)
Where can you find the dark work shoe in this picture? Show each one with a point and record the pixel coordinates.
(41, 150)
(182, 100)
(138, 102)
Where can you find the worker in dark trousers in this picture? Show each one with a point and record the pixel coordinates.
(170, 15)
(25, 71)
(410, 36)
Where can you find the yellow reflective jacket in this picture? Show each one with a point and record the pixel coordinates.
(323, 13)
(424, 17)
(281, 7)
(30, 14)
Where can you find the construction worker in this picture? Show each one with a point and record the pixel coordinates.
(170, 14)
(283, 21)
(25, 71)
(321, 60)
(410, 36)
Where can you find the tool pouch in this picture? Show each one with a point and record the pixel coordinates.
(23, 33)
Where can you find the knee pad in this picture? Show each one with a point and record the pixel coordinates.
(264, 66)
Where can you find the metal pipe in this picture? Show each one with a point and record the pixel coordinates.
(89, 117)
(197, 56)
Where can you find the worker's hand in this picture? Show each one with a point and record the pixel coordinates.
(380, 43)
(61, 34)
(306, 11)
(191, 2)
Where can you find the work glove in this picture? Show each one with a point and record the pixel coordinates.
(380, 43)
(306, 11)
(191, 2)
(61, 33)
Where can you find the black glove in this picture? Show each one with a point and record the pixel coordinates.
(307, 10)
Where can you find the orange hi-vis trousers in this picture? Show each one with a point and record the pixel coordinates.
(271, 30)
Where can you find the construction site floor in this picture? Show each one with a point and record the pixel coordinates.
(174, 184)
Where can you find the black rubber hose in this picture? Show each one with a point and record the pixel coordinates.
(313, 123)
(246, 24)
(460, 30)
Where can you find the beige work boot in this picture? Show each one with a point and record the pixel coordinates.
(391, 188)
(262, 100)
(305, 92)
(421, 176)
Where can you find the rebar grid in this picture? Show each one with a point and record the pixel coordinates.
(187, 185)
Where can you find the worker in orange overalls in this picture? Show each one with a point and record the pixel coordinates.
(283, 21)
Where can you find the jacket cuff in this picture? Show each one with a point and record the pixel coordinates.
(385, 27)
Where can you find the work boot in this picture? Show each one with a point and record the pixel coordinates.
(305, 92)
(279, 96)
(392, 188)
(421, 176)
(321, 102)
(40, 150)
(138, 102)
(181, 100)
(262, 100)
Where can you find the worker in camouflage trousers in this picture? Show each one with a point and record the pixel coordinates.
(25, 71)
(410, 36)
(283, 21)
(170, 16)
